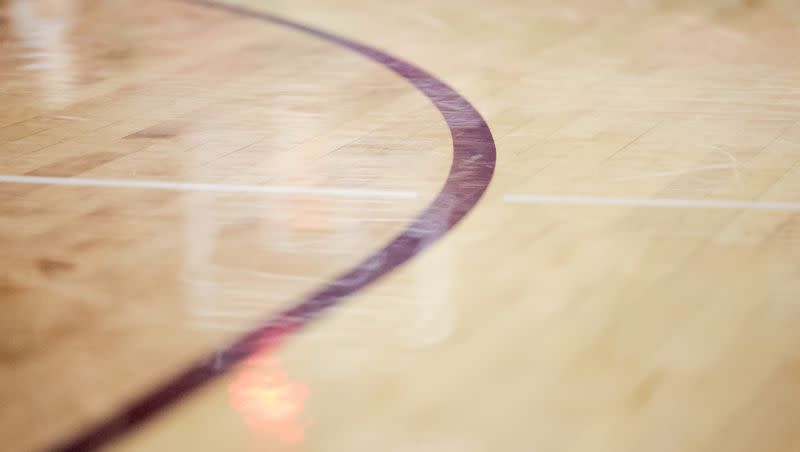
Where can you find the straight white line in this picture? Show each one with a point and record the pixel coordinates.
(644, 202)
(220, 188)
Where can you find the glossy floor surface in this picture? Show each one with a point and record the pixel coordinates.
(176, 174)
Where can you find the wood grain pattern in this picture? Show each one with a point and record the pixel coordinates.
(531, 326)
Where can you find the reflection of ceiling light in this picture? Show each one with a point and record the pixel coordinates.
(43, 31)
(270, 402)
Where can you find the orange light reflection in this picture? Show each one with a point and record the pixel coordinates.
(270, 402)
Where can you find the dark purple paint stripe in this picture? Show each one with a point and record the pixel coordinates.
(470, 174)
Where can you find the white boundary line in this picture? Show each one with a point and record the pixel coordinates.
(202, 187)
(644, 202)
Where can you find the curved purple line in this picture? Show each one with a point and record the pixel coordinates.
(470, 173)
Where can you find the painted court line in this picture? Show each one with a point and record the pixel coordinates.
(470, 172)
(203, 187)
(644, 202)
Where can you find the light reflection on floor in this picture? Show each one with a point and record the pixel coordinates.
(270, 401)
